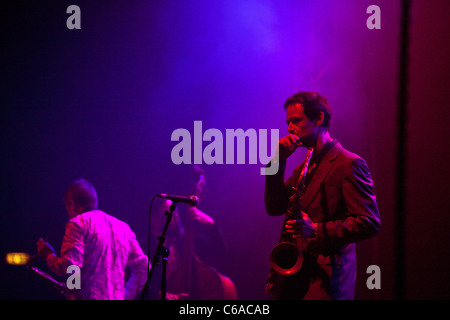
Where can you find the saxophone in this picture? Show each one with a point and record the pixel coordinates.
(286, 258)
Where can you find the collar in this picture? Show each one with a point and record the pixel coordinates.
(316, 158)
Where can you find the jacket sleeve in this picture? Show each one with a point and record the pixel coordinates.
(361, 219)
(277, 191)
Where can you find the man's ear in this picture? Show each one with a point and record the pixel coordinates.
(68, 203)
(320, 119)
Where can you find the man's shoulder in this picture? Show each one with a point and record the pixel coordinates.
(96, 215)
(116, 221)
(88, 215)
(345, 156)
(350, 163)
(99, 218)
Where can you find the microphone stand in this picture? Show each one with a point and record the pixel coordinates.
(161, 254)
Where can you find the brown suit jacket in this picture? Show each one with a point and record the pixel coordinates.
(341, 200)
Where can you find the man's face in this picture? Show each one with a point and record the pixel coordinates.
(300, 125)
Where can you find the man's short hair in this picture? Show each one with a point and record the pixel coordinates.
(313, 103)
(83, 194)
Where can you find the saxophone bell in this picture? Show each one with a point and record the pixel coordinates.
(286, 259)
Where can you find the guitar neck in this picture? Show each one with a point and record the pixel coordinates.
(60, 287)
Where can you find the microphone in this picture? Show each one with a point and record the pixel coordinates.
(192, 200)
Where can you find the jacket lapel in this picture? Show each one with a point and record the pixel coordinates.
(320, 175)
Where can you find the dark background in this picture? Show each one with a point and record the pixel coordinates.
(102, 102)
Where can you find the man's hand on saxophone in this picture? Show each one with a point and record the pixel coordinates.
(303, 227)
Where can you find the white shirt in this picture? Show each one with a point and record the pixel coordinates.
(104, 248)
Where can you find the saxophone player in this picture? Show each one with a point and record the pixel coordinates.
(338, 207)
